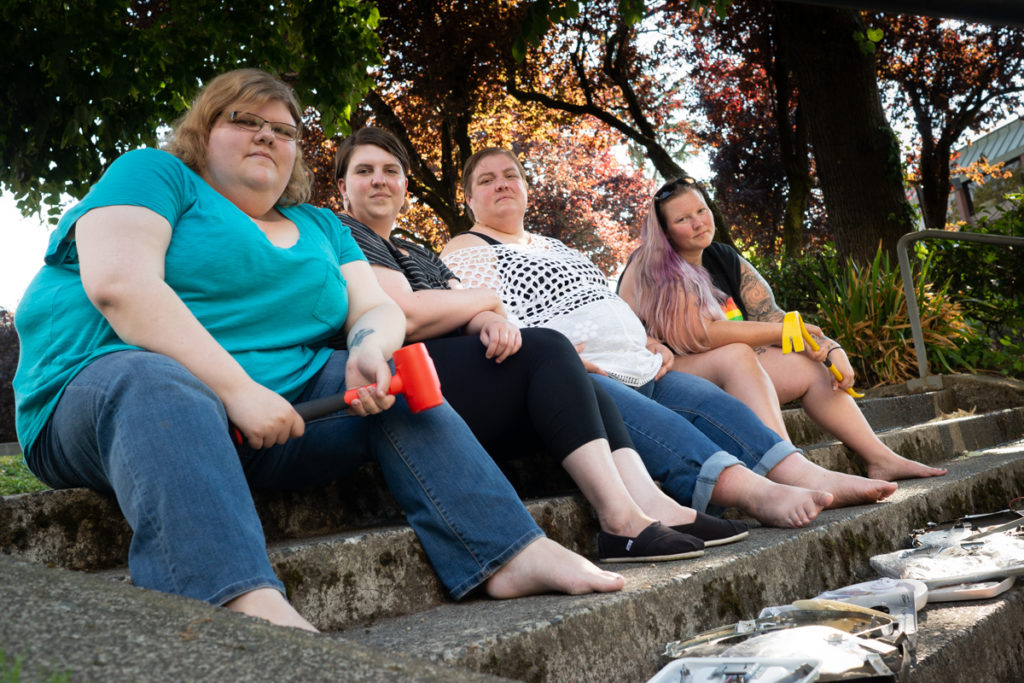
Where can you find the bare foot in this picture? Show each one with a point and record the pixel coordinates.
(270, 605)
(895, 467)
(846, 489)
(787, 507)
(768, 502)
(546, 567)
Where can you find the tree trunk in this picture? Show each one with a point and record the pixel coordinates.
(934, 186)
(797, 199)
(793, 148)
(856, 154)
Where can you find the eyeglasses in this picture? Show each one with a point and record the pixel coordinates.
(669, 188)
(254, 124)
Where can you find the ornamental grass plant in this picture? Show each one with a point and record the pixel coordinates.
(865, 310)
(863, 307)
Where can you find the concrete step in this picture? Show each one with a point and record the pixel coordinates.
(357, 578)
(932, 442)
(882, 413)
(620, 636)
(340, 578)
(967, 642)
(889, 407)
(82, 529)
(353, 567)
(67, 625)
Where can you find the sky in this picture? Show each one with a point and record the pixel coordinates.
(22, 245)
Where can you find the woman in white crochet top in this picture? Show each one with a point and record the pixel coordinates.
(516, 391)
(544, 283)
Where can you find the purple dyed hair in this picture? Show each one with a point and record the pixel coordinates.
(674, 298)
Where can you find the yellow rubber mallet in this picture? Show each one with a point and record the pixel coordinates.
(794, 332)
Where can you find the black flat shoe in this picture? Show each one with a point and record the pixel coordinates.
(713, 530)
(656, 543)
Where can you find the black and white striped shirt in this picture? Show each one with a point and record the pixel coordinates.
(422, 268)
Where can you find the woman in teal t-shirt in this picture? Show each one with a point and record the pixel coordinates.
(192, 290)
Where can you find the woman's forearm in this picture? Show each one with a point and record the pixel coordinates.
(722, 332)
(432, 313)
(381, 326)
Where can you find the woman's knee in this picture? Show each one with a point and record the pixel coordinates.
(129, 405)
(740, 356)
(796, 374)
(548, 354)
(545, 341)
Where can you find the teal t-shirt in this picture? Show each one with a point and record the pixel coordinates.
(270, 307)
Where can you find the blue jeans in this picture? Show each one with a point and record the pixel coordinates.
(138, 425)
(687, 431)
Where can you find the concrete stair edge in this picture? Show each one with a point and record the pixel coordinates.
(569, 638)
(972, 393)
(882, 413)
(81, 529)
(932, 443)
(62, 622)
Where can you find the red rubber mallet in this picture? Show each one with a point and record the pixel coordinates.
(414, 377)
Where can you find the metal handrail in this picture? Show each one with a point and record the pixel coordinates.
(908, 284)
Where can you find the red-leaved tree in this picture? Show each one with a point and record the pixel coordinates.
(951, 77)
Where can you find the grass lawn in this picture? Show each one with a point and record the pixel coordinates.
(16, 478)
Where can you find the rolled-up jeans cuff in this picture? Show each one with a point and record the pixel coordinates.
(774, 456)
(229, 593)
(708, 476)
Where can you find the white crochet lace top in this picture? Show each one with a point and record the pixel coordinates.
(546, 284)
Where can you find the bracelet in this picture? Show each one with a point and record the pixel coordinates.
(829, 352)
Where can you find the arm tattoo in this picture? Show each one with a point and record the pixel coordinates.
(358, 336)
(757, 296)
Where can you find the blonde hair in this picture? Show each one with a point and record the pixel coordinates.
(190, 134)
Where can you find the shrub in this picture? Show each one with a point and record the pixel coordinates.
(865, 310)
(792, 279)
(8, 364)
(988, 280)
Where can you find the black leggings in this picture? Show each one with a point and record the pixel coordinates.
(541, 394)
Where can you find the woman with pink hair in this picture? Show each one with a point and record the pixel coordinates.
(679, 423)
(719, 317)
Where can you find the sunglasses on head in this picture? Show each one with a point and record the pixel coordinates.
(669, 188)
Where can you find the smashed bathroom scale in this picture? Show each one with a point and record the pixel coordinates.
(739, 670)
(970, 553)
(821, 640)
(901, 599)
